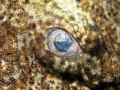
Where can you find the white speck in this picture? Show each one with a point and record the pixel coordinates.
(3, 63)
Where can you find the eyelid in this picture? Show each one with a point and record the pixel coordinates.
(67, 48)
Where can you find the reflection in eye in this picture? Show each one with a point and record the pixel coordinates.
(62, 44)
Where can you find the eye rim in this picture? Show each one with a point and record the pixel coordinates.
(79, 53)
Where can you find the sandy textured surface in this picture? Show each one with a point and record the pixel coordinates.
(26, 62)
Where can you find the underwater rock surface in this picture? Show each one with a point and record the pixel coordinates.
(26, 61)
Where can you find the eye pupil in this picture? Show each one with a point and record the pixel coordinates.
(63, 46)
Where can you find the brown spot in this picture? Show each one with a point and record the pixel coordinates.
(49, 21)
(71, 18)
(88, 41)
(62, 62)
(27, 1)
(31, 26)
(1, 17)
(87, 70)
(74, 88)
(40, 22)
(89, 61)
(52, 81)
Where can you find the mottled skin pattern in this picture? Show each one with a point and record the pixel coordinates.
(26, 62)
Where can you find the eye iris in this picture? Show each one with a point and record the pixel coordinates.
(63, 46)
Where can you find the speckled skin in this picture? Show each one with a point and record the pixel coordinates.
(26, 61)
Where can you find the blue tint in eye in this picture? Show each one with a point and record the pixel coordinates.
(63, 46)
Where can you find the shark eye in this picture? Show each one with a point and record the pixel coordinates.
(63, 45)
